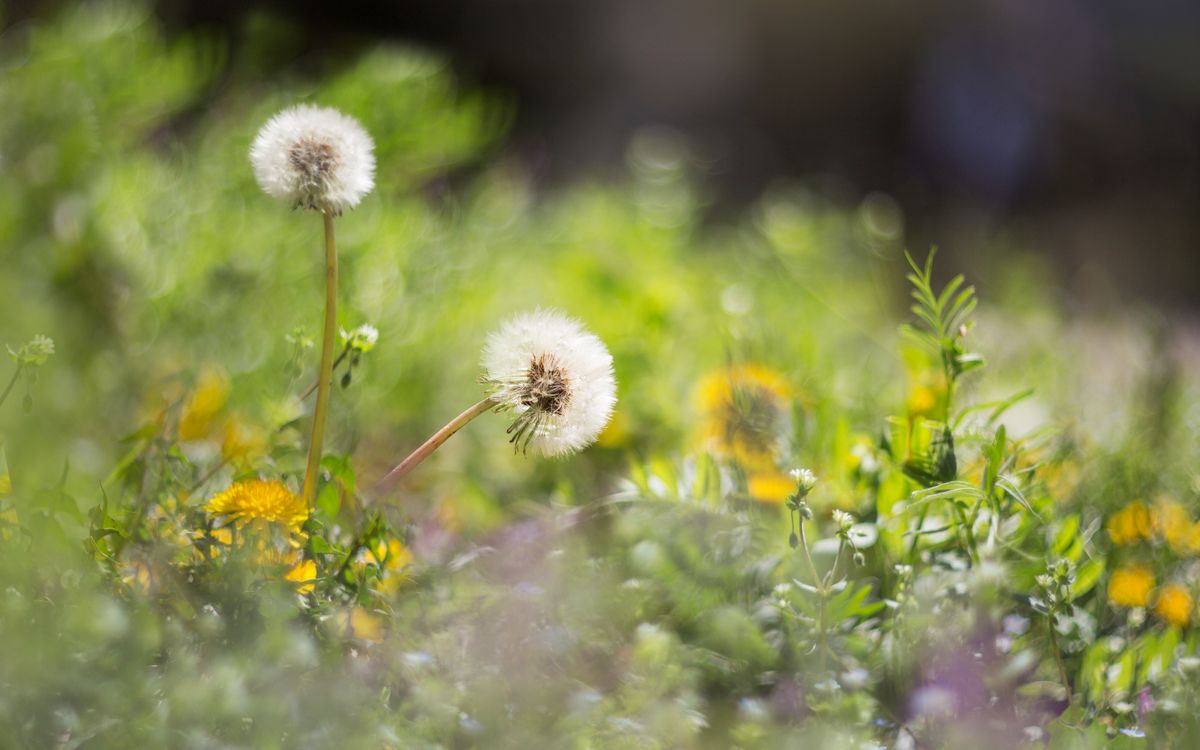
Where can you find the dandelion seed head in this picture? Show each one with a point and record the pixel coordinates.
(315, 158)
(557, 378)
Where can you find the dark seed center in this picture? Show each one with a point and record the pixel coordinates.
(312, 158)
(547, 389)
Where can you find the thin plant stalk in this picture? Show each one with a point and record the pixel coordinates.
(434, 442)
(325, 372)
(333, 368)
(11, 383)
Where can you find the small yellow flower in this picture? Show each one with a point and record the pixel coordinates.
(746, 411)
(926, 395)
(1171, 523)
(616, 433)
(1189, 542)
(137, 574)
(1129, 524)
(1174, 604)
(393, 557)
(260, 500)
(921, 401)
(361, 624)
(1130, 586)
(304, 574)
(5, 476)
(198, 415)
(771, 487)
(242, 443)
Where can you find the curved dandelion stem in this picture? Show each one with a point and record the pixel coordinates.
(433, 443)
(325, 372)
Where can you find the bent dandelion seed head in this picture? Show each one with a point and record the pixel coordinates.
(315, 158)
(555, 376)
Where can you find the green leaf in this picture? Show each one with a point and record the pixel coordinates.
(1087, 576)
(329, 500)
(1068, 530)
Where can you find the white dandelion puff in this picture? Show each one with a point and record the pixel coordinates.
(557, 378)
(315, 158)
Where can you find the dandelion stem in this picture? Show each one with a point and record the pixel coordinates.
(11, 383)
(325, 372)
(433, 443)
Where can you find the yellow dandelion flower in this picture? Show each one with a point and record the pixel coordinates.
(137, 574)
(921, 401)
(1170, 522)
(391, 554)
(1174, 604)
(305, 575)
(394, 557)
(746, 412)
(260, 500)
(926, 388)
(200, 411)
(771, 487)
(1129, 524)
(1130, 586)
(1189, 542)
(361, 624)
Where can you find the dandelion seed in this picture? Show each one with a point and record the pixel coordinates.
(315, 158)
(555, 376)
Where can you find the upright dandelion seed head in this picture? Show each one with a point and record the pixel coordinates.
(315, 158)
(555, 376)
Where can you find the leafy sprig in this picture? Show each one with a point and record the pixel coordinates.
(945, 319)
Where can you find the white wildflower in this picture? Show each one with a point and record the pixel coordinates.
(314, 157)
(34, 352)
(805, 480)
(555, 375)
(362, 338)
(843, 520)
